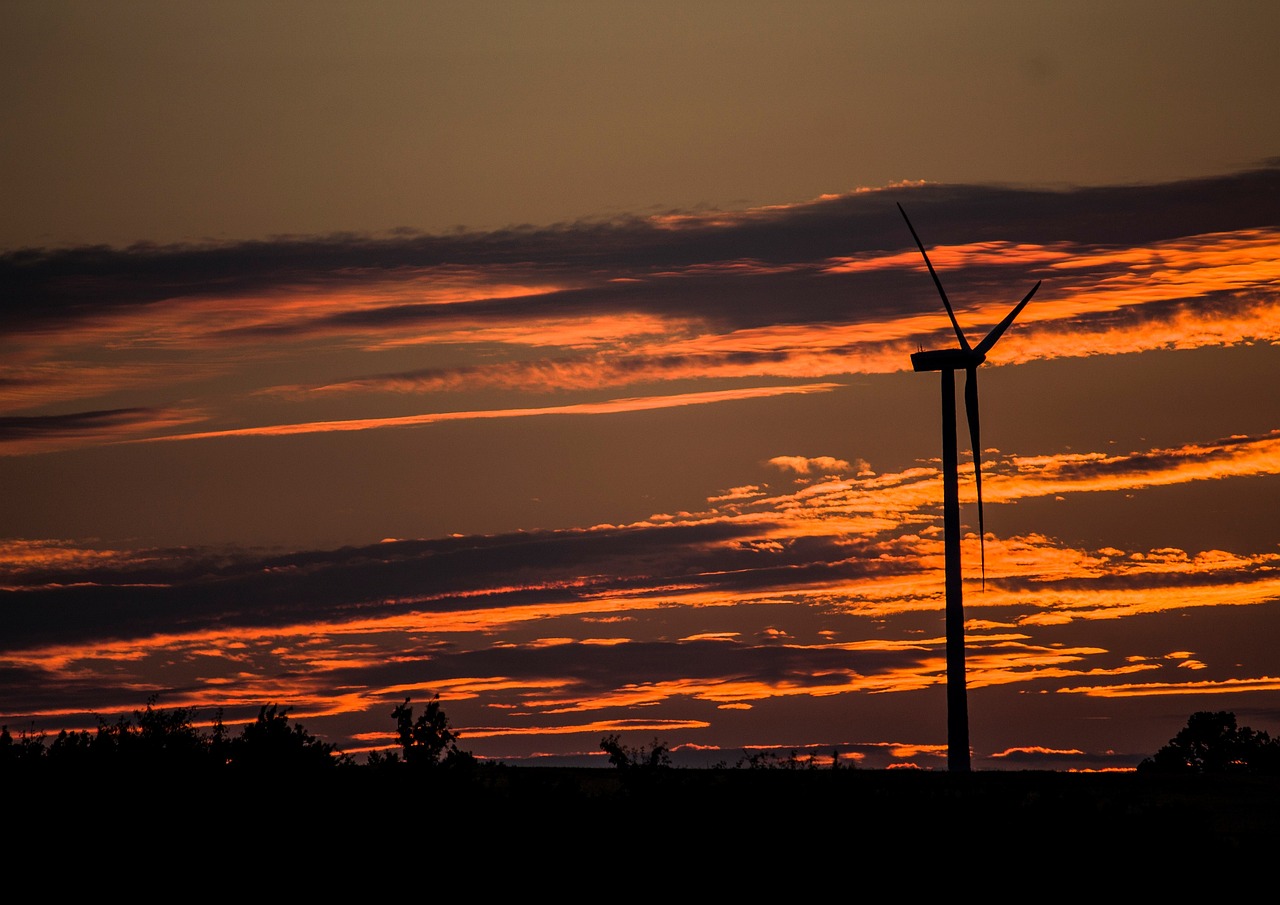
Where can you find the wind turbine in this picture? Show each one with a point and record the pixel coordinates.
(948, 361)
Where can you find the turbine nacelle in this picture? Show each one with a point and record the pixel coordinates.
(947, 359)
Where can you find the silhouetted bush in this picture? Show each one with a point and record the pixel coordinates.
(772, 760)
(640, 767)
(1212, 743)
(656, 757)
(157, 740)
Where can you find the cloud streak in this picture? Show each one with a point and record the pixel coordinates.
(609, 407)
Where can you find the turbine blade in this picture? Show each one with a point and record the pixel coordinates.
(975, 442)
(990, 339)
(964, 343)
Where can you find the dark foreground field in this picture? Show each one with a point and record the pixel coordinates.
(637, 829)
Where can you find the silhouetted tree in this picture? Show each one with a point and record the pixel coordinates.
(428, 741)
(270, 743)
(27, 749)
(79, 749)
(157, 739)
(166, 738)
(160, 739)
(1211, 742)
(385, 759)
(220, 742)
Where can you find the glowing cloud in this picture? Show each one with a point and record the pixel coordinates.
(614, 406)
(805, 465)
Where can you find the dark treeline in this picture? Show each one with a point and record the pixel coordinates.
(1212, 743)
(169, 739)
(157, 783)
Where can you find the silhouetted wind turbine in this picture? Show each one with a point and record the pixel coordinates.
(948, 361)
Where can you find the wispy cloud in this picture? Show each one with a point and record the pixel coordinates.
(513, 622)
(612, 406)
(21, 435)
(806, 291)
(806, 464)
(1063, 473)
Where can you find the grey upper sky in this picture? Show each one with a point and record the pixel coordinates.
(181, 121)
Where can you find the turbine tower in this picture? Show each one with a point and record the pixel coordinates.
(948, 361)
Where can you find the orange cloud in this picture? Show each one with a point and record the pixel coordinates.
(950, 258)
(56, 379)
(581, 332)
(1097, 472)
(1227, 686)
(1212, 289)
(804, 464)
(636, 404)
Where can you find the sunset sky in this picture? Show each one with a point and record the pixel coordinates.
(554, 358)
